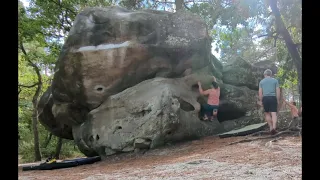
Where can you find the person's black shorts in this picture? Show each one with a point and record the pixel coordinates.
(270, 104)
(207, 109)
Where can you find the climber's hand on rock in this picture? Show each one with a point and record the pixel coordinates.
(199, 83)
(259, 103)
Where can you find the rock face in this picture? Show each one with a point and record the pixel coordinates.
(111, 49)
(127, 80)
(144, 116)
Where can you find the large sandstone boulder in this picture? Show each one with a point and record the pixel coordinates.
(111, 49)
(53, 124)
(127, 80)
(241, 73)
(144, 116)
(267, 64)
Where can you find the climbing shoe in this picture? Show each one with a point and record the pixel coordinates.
(51, 160)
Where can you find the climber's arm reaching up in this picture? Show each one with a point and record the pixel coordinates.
(201, 90)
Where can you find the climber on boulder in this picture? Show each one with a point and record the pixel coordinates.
(210, 109)
(294, 113)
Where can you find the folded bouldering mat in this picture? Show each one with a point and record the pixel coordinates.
(62, 164)
(244, 131)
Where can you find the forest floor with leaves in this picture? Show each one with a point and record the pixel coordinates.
(208, 158)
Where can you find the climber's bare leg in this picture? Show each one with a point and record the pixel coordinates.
(274, 119)
(267, 116)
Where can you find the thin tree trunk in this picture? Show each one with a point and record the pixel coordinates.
(37, 154)
(281, 98)
(46, 143)
(35, 123)
(179, 4)
(292, 48)
(292, 89)
(288, 97)
(58, 148)
(35, 118)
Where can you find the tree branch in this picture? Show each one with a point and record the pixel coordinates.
(295, 55)
(26, 86)
(26, 106)
(184, 4)
(34, 103)
(263, 53)
(190, 1)
(66, 18)
(47, 140)
(164, 2)
(61, 7)
(27, 58)
(155, 4)
(37, 70)
(298, 44)
(271, 34)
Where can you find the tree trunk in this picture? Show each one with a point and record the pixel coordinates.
(37, 154)
(58, 148)
(179, 4)
(292, 89)
(46, 143)
(281, 98)
(292, 48)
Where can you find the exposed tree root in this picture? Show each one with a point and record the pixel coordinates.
(266, 137)
(276, 139)
(259, 133)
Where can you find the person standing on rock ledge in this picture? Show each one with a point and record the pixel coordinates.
(269, 96)
(210, 109)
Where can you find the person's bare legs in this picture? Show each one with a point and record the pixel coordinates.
(274, 119)
(267, 117)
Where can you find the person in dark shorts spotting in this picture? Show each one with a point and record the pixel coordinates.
(269, 94)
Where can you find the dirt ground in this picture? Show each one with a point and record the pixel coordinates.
(208, 158)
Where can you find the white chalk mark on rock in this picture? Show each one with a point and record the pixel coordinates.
(104, 47)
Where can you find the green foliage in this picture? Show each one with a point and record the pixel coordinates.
(26, 76)
(287, 78)
(245, 28)
(26, 145)
(41, 52)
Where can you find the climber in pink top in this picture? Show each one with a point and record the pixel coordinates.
(211, 108)
(293, 108)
